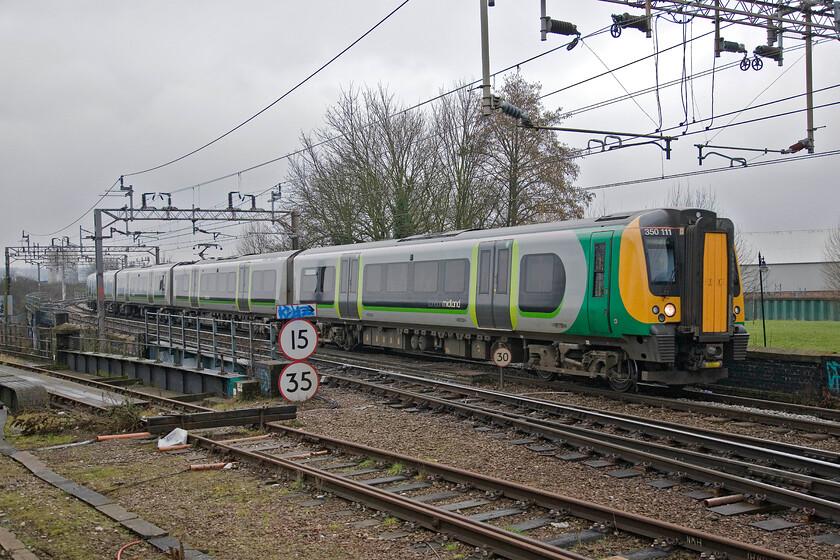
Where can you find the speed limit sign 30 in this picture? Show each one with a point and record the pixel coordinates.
(298, 382)
(298, 339)
(502, 356)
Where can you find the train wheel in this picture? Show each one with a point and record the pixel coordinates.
(545, 375)
(623, 376)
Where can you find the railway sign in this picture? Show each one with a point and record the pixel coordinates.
(299, 382)
(298, 339)
(502, 356)
(298, 311)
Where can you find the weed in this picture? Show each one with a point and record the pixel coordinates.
(514, 530)
(367, 463)
(41, 423)
(333, 526)
(450, 547)
(396, 468)
(390, 521)
(125, 417)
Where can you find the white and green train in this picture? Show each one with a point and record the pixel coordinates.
(650, 296)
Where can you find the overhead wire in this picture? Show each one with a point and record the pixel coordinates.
(273, 103)
(628, 95)
(708, 171)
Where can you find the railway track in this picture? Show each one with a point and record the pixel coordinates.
(790, 416)
(732, 464)
(485, 512)
(495, 515)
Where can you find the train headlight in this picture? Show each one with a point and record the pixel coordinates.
(670, 309)
(655, 310)
(737, 310)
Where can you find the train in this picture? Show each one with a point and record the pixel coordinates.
(651, 296)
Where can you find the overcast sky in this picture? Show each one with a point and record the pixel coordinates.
(94, 90)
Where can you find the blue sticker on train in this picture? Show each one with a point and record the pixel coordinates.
(295, 311)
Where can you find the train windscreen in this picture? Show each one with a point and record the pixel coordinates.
(660, 253)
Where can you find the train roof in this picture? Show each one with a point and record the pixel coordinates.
(606, 221)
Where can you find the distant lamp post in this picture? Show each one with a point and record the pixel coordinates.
(762, 270)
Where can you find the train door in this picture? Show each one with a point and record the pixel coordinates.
(194, 276)
(243, 287)
(348, 287)
(492, 294)
(600, 256)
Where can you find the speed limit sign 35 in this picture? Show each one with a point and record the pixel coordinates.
(298, 382)
(298, 339)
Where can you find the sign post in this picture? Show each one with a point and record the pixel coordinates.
(298, 339)
(502, 357)
(299, 380)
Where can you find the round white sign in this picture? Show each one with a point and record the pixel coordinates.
(298, 382)
(298, 339)
(502, 355)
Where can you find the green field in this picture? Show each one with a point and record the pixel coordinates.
(822, 336)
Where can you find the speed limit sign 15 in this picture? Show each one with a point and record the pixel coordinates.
(298, 382)
(298, 339)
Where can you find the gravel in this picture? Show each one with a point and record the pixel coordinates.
(244, 513)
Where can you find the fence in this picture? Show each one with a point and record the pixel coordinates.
(20, 338)
(793, 309)
(179, 338)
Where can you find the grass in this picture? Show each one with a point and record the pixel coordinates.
(820, 336)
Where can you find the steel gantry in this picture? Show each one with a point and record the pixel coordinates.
(818, 18)
(64, 252)
(807, 18)
(171, 213)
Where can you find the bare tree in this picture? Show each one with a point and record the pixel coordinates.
(831, 267)
(532, 171)
(462, 139)
(367, 174)
(692, 198)
(259, 238)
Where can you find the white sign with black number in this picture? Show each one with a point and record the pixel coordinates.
(502, 355)
(298, 339)
(298, 382)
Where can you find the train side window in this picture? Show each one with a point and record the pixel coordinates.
(373, 278)
(308, 281)
(455, 276)
(263, 283)
(502, 271)
(425, 277)
(328, 282)
(599, 262)
(542, 283)
(396, 277)
(327, 285)
(484, 258)
(354, 276)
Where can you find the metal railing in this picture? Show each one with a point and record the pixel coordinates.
(210, 342)
(217, 341)
(20, 338)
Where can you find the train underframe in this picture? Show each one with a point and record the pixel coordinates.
(666, 357)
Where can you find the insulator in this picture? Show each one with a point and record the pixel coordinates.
(562, 27)
(731, 46)
(801, 145)
(515, 112)
(636, 22)
(774, 53)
